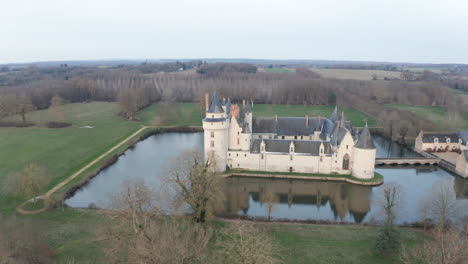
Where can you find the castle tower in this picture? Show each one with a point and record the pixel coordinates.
(364, 153)
(216, 134)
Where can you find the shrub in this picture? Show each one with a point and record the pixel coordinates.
(58, 124)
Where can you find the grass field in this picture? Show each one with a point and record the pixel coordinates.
(60, 151)
(356, 74)
(432, 113)
(75, 235)
(279, 70)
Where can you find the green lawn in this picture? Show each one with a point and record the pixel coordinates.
(279, 70)
(433, 113)
(356, 74)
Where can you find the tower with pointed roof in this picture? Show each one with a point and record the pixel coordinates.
(364, 153)
(216, 134)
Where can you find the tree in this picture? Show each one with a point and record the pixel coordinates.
(24, 105)
(388, 238)
(56, 106)
(242, 243)
(31, 181)
(149, 237)
(374, 76)
(196, 184)
(127, 100)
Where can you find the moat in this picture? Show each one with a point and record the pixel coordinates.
(293, 199)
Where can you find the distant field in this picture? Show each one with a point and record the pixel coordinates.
(279, 70)
(356, 74)
(420, 70)
(434, 114)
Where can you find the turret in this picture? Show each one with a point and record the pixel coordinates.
(216, 134)
(364, 153)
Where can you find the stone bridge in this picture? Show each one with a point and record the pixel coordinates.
(407, 161)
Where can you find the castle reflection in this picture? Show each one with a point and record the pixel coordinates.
(340, 198)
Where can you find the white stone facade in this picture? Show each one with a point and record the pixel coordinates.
(315, 145)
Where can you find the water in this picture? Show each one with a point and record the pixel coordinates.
(292, 199)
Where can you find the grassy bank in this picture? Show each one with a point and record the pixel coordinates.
(356, 74)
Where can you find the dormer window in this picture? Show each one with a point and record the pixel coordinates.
(448, 140)
(292, 149)
(212, 116)
(436, 140)
(263, 148)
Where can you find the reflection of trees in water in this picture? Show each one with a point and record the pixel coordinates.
(460, 186)
(343, 198)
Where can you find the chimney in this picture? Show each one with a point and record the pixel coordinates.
(307, 120)
(276, 118)
(243, 103)
(339, 125)
(207, 102)
(235, 111)
(318, 119)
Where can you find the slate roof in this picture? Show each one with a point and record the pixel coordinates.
(215, 105)
(290, 126)
(228, 106)
(282, 146)
(334, 115)
(428, 137)
(463, 135)
(365, 139)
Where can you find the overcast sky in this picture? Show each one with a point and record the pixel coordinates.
(365, 30)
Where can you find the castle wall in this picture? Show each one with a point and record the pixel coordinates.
(462, 165)
(216, 141)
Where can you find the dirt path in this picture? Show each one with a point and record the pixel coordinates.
(46, 196)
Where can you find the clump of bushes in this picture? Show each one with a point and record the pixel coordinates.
(53, 124)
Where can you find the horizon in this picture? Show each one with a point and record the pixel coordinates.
(423, 32)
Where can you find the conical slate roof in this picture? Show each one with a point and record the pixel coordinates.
(334, 115)
(365, 140)
(215, 105)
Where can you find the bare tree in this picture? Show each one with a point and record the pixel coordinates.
(388, 239)
(242, 243)
(149, 237)
(24, 105)
(56, 107)
(196, 184)
(446, 247)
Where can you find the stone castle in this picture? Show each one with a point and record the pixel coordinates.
(316, 145)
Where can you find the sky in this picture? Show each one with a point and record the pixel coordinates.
(421, 31)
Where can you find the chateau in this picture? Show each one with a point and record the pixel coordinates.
(235, 139)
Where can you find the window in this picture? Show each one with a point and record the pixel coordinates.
(212, 144)
(229, 154)
(436, 140)
(321, 150)
(290, 169)
(212, 134)
(346, 162)
(302, 137)
(282, 137)
(292, 149)
(310, 138)
(321, 158)
(263, 148)
(212, 116)
(295, 137)
(290, 157)
(237, 132)
(262, 156)
(346, 146)
(245, 155)
(448, 140)
(238, 141)
(270, 137)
